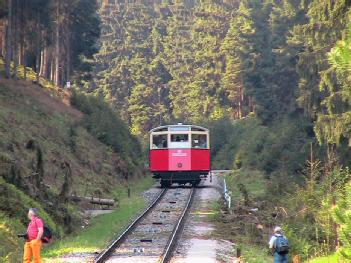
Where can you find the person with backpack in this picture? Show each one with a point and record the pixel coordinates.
(279, 246)
(34, 235)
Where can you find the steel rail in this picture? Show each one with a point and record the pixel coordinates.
(105, 254)
(167, 253)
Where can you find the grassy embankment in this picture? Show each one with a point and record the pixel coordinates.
(335, 258)
(241, 226)
(47, 153)
(104, 228)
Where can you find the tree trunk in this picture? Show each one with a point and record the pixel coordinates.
(41, 62)
(37, 63)
(44, 70)
(8, 41)
(21, 51)
(251, 105)
(15, 58)
(52, 71)
(15, 40)
(3, 39)
(23, 60)
(68, 61)
(24, 65)
(57, 45)
(38, 49)
(21, 43)
(240, 104)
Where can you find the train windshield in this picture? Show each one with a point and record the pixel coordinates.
(179, 141)
(199, 141)
(159, 141)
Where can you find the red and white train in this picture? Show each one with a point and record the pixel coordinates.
(179, 154)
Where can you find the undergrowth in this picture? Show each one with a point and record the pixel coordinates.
(104, 228)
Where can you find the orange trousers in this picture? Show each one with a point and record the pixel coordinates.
(32, 250)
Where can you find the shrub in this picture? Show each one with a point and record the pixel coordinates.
(15, 204)
(105, 125)
(10, 246)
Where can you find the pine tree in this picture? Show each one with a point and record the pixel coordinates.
(237, 48)
(178, 57)
(334, 125)
(327, 19)
(342, 215)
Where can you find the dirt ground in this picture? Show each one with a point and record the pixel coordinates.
(197, 243)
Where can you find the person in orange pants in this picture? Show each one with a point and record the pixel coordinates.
(32, 250)
(33, 243)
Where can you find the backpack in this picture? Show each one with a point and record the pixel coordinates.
(47, 234)
(281, 245)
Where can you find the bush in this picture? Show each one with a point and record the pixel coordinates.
(15, 204)
(282, 146)
(105, 125)
(10, 245)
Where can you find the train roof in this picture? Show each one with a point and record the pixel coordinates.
(178, 127)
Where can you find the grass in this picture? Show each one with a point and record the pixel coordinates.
(30, 76)
(255, 254)
(10, 245)
(255, 185)
(253, 181)
(62, 138)
(335, 258)
(103, 228)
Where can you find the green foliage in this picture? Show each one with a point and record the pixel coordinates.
(15, 203)
(326, 22)
(334, 125)
(342, 214)
(45, 151)
(253, 71)
(340, 55)
(327, 259)
(104, 228)
(279, 149)
(173, 61)
(313, 222)
(11, 245)
(198, 61)
(300, 244)
(103, 123)
(35, 42)
(255, 254)
(254, 183)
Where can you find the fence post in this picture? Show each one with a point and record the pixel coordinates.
(227, 196)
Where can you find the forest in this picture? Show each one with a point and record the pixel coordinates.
(270, 78)
(56, 38)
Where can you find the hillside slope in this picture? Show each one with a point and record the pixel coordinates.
(46, 155)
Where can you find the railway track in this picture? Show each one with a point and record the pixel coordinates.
(152, 236)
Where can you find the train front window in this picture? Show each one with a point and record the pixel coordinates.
(179, 137)
(159, 141)
(180, 141)
(199, 141)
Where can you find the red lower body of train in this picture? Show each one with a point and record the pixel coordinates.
(180, 165)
